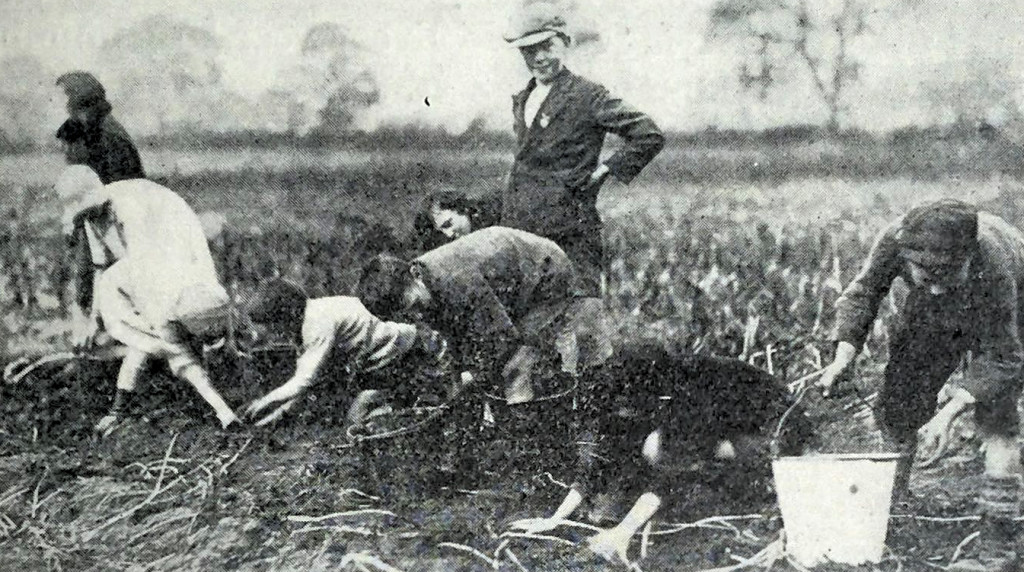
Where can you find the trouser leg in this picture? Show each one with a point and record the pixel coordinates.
(132, 365)
(584, 337)
(996, 547)
(585, 248)
(999, 497)
(921, 359)
(999, 505)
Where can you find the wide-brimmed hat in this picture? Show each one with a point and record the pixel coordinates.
(535, 23)
(83, 89)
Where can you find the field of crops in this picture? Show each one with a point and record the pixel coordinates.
(737, 267)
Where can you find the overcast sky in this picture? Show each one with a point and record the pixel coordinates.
(654, 53)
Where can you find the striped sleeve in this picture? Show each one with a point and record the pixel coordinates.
(368, 341)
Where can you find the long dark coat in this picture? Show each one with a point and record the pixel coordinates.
(548, 192)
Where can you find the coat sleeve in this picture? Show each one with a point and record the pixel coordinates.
(309, 364)
(80, 265)
(642, 139)
(996, 369)
(470, 304)
(488, 317)
(83, 258)
(858, 305)
(307, 369)
(477, 323)
(370, 341)
(317, 341)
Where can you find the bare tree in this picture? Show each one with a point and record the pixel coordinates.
(780, 34)
(165, 76)
(976, 90)
(330, 84)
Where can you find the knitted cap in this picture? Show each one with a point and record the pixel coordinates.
(939, 232)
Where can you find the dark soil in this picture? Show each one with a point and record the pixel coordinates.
(261, 499)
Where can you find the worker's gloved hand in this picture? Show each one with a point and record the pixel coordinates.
(832, 378)
(935, 436)
(258, 406)
(368, 400)
(518, 374)
(839, 371)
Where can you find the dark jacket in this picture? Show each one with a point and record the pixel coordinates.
(987, 308)
(105, 147)
(547, 190)
(497, 285)
(694, 400)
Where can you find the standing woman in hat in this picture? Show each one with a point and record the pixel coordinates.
(561, 120)
(91, 136)
(965, 271)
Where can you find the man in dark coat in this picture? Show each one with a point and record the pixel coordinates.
(561, 120)
(965, 270)
(501, 296)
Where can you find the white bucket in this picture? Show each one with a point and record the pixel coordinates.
(835, 508)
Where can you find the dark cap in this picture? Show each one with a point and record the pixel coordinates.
(939, 232)
(382, 285)
(535, 23)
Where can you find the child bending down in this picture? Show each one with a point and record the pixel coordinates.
(503, 298)
(334, 332)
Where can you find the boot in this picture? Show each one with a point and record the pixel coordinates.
(906, 446)
(123, 406)
(901, 495)
(996, 549)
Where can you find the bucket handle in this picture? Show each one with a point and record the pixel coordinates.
(804, 387)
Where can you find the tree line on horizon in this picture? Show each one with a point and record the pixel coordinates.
(165, 81)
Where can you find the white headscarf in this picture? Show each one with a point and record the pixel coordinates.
(78, 188)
